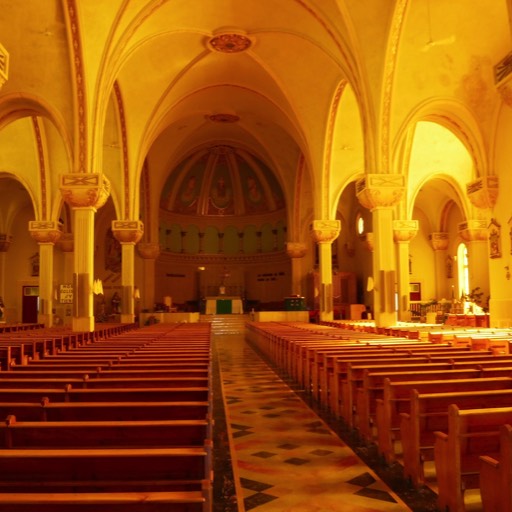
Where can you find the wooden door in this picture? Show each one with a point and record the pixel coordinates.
(30, 304)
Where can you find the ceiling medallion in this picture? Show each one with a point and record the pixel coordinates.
(230, 43)
(224, 118)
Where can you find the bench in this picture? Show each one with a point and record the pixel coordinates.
(429, 413)
(175, 501)
(372, 388)
(399, 398)
(496, 473)
(470, 434)
(345, 386)
(94, 434)
(104, 470)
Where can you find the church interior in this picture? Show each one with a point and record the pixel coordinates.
(328, 163)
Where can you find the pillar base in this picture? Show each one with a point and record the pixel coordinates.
(385, 319)
(127, 318)
(326, 316)
(46, 320)
(500, 313)
(83, 324)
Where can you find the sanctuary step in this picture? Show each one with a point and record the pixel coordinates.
(226, 324)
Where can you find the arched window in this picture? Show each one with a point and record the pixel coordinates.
(463, 269)
(360, 224)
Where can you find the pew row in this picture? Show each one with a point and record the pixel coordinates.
(496, 475)
(470, 434)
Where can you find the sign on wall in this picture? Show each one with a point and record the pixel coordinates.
(66, 294)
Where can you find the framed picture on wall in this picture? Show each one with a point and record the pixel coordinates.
(414, 291)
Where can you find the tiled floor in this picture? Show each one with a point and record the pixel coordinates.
(284, 457)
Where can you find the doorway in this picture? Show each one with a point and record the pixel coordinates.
(30, 304)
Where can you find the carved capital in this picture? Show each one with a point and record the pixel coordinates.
(324, 231)
(44, 232)
(81, 190)
(405, 230)
(473, 230)
(5, 242)
(66, 242)
(439, 241)
(380, 190)
(127, 231)
(148, 251)
(4, 65)
(483, 192)
(295, 249)
(367, 240)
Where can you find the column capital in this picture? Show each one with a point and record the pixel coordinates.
(148, 250)
(5, 242)
(81, 190)
(296, 249)
(439, 241)
(4, 65)
(44, 231)
(324, 231)
(483, 192)
(380, 190)
(66, 242)
(473, 230)
(127, 231)
(405, 230)
(368, 240)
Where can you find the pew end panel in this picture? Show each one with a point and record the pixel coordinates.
(496, 475)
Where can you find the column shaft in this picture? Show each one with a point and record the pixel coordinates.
(83, 314)
(384, 271)
(127, 282)
(45, 315)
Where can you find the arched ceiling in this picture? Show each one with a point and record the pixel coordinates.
(395, 54)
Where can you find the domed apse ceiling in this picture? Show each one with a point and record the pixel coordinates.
(222, 180)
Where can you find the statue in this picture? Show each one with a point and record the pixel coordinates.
(116, 303)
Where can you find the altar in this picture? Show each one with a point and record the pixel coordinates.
(224, 305)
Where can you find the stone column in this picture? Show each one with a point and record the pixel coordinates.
(475, 234)
(296, 251)
(45, 233)
(324, 232)
(380, 193)
(149, 252)
(128, 233)
(5, 243)
(440, 242)
(403, 232)
(66, 244)
(84, 193)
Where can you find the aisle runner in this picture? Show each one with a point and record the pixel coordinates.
(286, 457)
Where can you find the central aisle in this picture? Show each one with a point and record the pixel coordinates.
(284, 456)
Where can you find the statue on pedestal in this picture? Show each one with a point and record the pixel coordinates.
(116, 303)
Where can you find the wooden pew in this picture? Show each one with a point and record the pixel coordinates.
(174, 501)
(103, 381)
(104, 394)
(112, 434)
(372, 388)
(117, 373)
(348, 380)
(470, 434)
(399, 398)
(97, 470)
(429, 413)
(496, 475)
